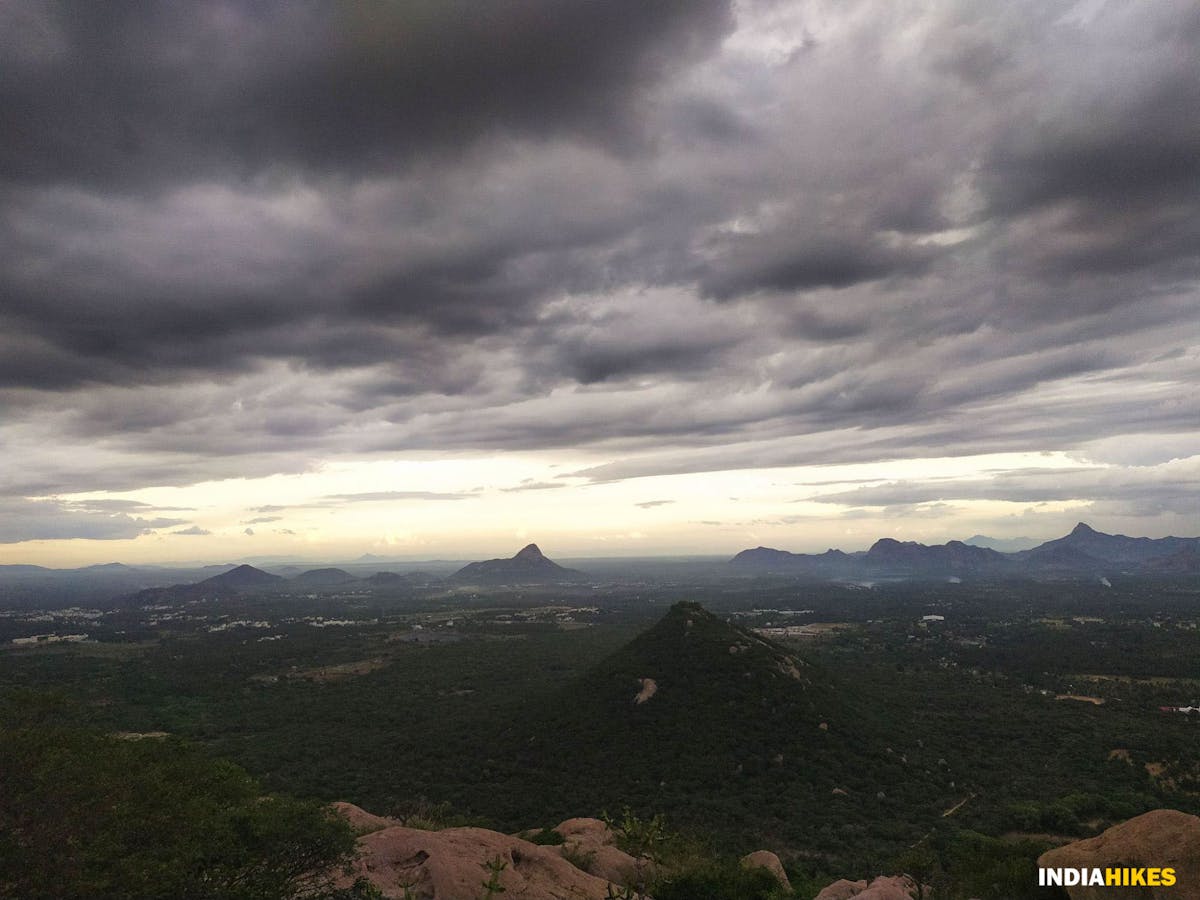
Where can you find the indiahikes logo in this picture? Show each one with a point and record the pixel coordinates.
(1114, 877)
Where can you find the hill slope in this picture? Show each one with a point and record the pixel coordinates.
(238, 580)
(697, 718)
(529, 566)
(1107, 549)
(242, 578)
(327, 577)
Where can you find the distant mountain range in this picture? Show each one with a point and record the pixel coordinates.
(1084, 551)
(117, 584)
(529, 566)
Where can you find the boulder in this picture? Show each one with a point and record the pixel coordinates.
(593, 841)
(360, 820)
(843, 889)
(765, 859)
(896, 887)
(451, 865)
(1163, 838)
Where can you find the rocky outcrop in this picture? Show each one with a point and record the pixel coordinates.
(360, 820)
(452, 865)
(842, 889)
(593, 845)
(765, 859)
(1163, 838)
(896, 887)
(648, 690)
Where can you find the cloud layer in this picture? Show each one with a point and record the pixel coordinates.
(242, 238)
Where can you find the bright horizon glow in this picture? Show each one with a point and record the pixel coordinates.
(483, 507)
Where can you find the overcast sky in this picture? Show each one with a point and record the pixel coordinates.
(622, 277)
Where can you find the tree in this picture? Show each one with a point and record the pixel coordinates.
(84, 814)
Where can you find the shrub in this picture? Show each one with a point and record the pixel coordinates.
(719, 881)
(88, 815)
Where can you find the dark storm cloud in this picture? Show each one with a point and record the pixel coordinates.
(238, 239)
(1113, 174)
(1009, 426)
(632, 337)
(796, 263)
(139, 135)
(102, 93)
(1124, 148)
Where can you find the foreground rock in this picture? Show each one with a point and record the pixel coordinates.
(451, 864)
(897, 887)
(1163, 838)
(362, 821)
(593, 845)
(765, 859)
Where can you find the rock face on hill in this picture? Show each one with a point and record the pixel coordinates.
(1161, 838)
(529, 566)
(452, 864)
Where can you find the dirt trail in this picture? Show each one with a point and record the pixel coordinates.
(957, 806)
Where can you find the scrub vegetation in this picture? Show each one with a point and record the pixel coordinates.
(855, 731)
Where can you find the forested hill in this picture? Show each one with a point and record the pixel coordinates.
(695, 717)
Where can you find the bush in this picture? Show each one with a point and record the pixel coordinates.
(719, 881)
(88, 815)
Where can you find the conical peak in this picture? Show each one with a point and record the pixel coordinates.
(691, 645)
(1083, 528)
(693, 620)
(530, 551)
(688, 609)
